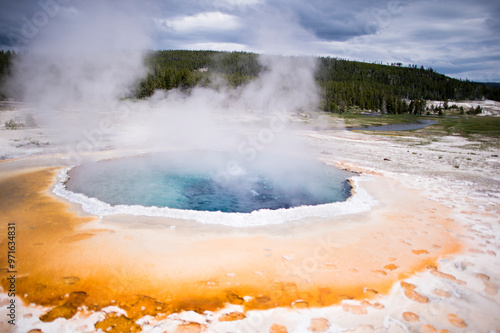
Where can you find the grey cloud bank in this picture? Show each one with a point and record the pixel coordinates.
(457, 38)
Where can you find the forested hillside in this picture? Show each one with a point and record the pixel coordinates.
(373, 86)
(343, 83)
(185, 69)
(5, 60)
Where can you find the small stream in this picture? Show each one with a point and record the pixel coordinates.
(396, 127)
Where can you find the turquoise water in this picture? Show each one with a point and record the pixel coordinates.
(210, 182)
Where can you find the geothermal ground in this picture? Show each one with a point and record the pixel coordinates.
(425, 258)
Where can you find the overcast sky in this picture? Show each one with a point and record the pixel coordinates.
(460, 38)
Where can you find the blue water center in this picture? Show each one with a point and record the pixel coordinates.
(211, 181)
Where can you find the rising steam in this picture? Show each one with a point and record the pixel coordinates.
(80, 70)
(84, 59)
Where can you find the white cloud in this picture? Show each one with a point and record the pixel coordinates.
(202, 22)
(237, 3)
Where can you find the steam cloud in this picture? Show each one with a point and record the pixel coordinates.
(82, 65)
(86, 57)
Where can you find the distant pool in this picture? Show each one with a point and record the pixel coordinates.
(396, 127)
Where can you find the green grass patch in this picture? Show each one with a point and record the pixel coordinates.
(467, 126)
(360, 120)
(12, 124)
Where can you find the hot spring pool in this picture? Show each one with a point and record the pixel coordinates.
(211, 182)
